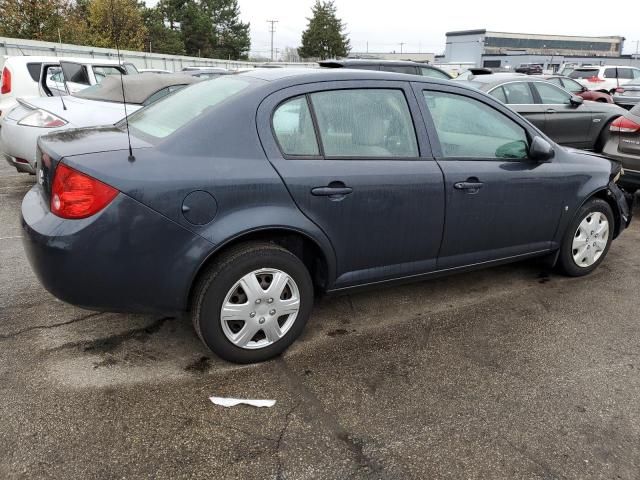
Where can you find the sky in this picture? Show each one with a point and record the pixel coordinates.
(421, 24)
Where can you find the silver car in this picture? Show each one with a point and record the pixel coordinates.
(100, 104)
(628, 96)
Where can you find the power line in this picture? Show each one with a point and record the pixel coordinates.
(272, 30)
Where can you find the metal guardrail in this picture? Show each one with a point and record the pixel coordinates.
(17, 46)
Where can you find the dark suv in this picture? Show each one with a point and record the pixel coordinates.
(530, 69)
(243, 196)
(395, 66)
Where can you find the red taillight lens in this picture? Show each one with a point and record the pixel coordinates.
(595, 79)
(624, 125)
(6, 81)
(76, 195)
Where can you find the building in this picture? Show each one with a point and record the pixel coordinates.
(508, 50)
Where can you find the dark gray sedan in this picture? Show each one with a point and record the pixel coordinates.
(566, 118)
(244, 196)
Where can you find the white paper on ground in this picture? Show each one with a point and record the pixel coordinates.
(232, 402)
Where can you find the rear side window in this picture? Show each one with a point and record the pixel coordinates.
(399, 69)
(163, 118)
(469, 128)
(625, 73)
(584, 73)
(103, 72)
(34, 71)
(572, 85)
(518, 93)
(366, 123)
(610, 72)
(433, 73)
(552, 95)
(293, 127)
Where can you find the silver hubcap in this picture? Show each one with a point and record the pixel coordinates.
(260, 308)
(590, 240)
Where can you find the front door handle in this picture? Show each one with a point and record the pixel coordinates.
(331, 191)
(550, 110)
(468, 185)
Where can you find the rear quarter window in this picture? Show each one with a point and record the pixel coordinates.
(34, 71)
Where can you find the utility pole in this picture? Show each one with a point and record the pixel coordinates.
(272, 30)
(401, 45)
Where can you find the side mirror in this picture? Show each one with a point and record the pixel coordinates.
(541, 150)
(576, 100)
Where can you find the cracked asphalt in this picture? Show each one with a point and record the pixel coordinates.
(511, 372)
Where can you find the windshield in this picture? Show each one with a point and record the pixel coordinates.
(592, 72)
(163, 118)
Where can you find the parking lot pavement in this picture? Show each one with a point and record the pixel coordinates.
(511, 372)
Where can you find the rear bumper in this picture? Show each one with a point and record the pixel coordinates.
(21, 167)
(127, 258)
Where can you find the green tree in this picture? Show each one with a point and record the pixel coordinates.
(75, 27)
(161, 38)
(116, 21)
(324, 36)
(196, 30)
(32, 19)
(229, 36)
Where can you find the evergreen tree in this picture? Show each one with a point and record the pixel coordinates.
(324, 36)
(161, 37)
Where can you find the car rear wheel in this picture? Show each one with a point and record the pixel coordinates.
(588, 238)
(252, 303)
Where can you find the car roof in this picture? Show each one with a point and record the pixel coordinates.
(294, 76)
(24, 59)
(371, 61)
(500, 77)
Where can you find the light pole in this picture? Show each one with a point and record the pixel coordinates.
(272, 30)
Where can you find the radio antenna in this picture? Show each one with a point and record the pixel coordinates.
(64, 107)
(116, 35)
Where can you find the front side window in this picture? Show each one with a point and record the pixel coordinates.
(552, 95)
(625, 73)
(293, 128)
(75, 73)
(572, 86)
(610, 73)
(499, 94)
(365, 123)
(636, 73)
(518, 93)
(469, 128)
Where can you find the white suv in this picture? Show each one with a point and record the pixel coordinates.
(22, 77)
(605, 78)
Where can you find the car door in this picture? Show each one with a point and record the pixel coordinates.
(500, 204)
(567, 123)
(355, 165)
(76, 76)
(519, 97)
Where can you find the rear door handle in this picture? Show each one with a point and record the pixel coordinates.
(331, 191)
(468, 185)
(550, 110)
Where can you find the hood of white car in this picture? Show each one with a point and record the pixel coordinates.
(81, 112)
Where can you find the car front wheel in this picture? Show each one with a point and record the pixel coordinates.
(588, 238)
(252, 303)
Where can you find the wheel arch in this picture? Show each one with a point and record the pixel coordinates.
(317, 258)
(605, 194)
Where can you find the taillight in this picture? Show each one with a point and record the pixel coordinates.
(624, 125)
(76, 195)
(595, 79)
(6, 81)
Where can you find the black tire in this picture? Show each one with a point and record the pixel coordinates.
(215, 283)
(565, 259)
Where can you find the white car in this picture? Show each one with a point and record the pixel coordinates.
(100, 104)
(27, 76)
(604, 78)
